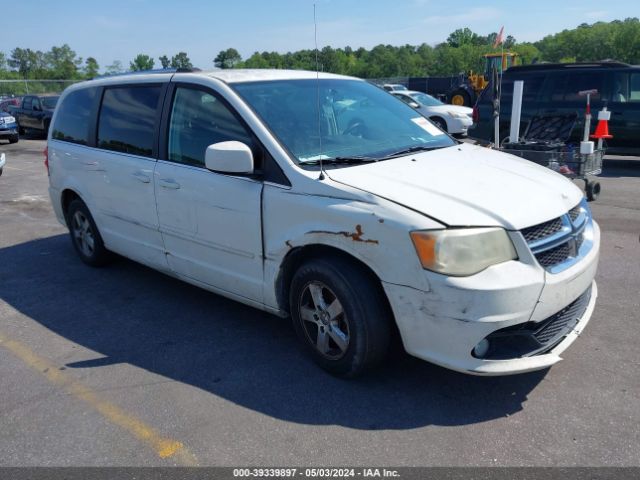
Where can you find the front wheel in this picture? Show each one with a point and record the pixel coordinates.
(440, 123)
(85, 236)
(14, 139)
(339, 315)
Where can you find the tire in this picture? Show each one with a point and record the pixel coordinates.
(340, 301)
(21, 130)
(440, 123)
(85, 236)
(0, 172)
(593, 191)
(46, 125)
(14, 139)
(460, 97)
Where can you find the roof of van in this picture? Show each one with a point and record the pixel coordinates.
(568, 66)
(232, 75)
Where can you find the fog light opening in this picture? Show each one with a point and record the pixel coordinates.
(481, 349)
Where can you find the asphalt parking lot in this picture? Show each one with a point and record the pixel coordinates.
(126, 366)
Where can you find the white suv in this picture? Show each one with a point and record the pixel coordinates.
(330, 201)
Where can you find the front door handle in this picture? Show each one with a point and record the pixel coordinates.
(141, 177)
(168, 183)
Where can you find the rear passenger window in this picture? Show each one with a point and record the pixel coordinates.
(72, 119)
(566, 86)
(127, 119)
(199, 119)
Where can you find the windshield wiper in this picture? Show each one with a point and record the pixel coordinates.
(406, 151)
(340, 160)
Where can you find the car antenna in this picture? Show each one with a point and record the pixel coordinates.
(315, 34)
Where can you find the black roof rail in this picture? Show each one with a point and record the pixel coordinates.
(146, 72)
(554, 66)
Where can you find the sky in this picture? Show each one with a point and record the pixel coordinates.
(119, 30)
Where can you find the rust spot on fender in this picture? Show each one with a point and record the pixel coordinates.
(355, 236)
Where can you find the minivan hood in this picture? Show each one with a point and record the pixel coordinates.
(467, 185)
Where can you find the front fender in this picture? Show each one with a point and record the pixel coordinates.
(374, 232)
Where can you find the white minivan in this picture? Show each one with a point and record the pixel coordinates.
(325, 199)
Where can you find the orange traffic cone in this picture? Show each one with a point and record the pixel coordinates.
(602, 130)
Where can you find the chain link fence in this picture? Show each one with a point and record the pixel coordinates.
(25, 87)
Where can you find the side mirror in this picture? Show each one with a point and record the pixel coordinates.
(229, 157)
(413, 105)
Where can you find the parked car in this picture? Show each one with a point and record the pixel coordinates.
(6, 103)
(35, 112)
(552, 89)
(394, 87)
(8, 127)
(3, 161)
(454, 119)
(357, 217)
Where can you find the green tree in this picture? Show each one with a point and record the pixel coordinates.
(3, 61)
(63, 62)
(164, 61)
(141, 62)
(181, 60)
(228, 58)
(91, 67)
(462, 36)
(115, 68)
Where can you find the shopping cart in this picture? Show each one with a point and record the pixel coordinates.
(546, 142)
(570, 163)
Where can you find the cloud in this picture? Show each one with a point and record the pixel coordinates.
(596, 14)
(468, 18)
(108, 22)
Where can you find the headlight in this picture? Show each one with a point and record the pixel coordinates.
(462, 251)
(7, 120)
(458, 114)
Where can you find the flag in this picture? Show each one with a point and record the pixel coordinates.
(499, 38)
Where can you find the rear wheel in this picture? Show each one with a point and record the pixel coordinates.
(339, 315)
(85, 236)
(460, 97)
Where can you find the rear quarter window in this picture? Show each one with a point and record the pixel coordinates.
(127, 119)
(73, 117)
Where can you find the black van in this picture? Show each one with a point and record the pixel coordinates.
(551, 89)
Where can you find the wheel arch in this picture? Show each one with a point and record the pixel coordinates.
(441, 119)
(67, 196)
(298, 255)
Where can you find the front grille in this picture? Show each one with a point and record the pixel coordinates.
(529, 339)
(556, 242)
(574, 213)
(542, 230)
(556, 326)
(556, 255)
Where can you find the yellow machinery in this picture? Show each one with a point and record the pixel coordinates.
(467, 93)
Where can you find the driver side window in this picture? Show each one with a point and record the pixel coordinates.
(198, 119)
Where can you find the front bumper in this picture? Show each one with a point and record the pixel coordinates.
(444, 324)
(459, 126)
(8, 131)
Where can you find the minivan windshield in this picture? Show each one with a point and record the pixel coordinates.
(340, 119)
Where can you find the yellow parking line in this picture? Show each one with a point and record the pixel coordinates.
(163, 446)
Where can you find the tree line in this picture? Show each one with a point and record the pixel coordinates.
(462, 51)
